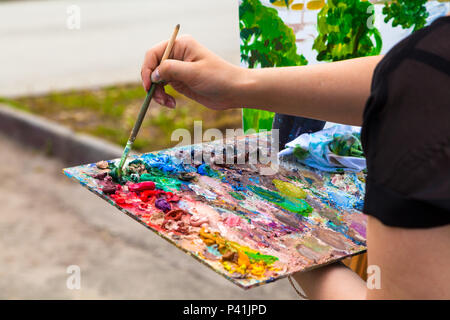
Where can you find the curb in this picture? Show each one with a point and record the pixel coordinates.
(56, 140)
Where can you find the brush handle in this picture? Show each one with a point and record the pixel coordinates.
(137, 125)
(145, 105)
(142, 113)
(151, 91)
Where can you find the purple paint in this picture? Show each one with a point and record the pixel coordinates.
(359, 228)
(162, 204)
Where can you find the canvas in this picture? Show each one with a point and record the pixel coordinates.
(280, 33)
(247, 225)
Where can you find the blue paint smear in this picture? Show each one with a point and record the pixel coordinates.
(359, 205)
(213, 250)
(166, 163)
(256, 180)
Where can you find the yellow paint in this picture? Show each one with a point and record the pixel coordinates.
(281, 3)
(244, 265)
(243, 259)
(289, 189)
(258, 269)
(315, 4)
(297, 6)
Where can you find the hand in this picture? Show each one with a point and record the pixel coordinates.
(193, 71)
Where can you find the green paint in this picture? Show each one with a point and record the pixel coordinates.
(125, 153)
(257, 120)
(344, 31)
(297, 206)
(269, 195)
(406, 13)
(162, 182)
(267, 259)
(210, 172)
(347, 145)
(266, 42)
(237, 195)
(300, 153)
(116, 174)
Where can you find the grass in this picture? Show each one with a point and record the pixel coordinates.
(110, 113)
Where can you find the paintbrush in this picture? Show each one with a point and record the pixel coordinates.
(145, 105)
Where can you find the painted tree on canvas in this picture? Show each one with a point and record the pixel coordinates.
(266, 42)
(346, 31)
(406, 13)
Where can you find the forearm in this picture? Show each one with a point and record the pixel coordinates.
(333, 282)
(334, 91)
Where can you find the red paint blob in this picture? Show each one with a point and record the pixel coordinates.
(141, 186)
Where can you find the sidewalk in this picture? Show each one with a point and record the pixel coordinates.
(40, 54)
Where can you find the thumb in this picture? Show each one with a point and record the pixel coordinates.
(172, 70)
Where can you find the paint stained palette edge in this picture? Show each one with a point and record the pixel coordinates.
(254, 233)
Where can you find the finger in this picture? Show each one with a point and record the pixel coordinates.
(174, 70)
(161, 97)
(145, 76)
(151, 61)
(170, 102)
(154, 55)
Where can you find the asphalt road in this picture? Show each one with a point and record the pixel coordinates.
(40, 53)
(48, 222)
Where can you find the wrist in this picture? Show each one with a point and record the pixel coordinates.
(244, 83)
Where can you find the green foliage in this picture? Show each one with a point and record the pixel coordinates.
(406, 13)
(266, 40)
(110, 113)
(346, 31)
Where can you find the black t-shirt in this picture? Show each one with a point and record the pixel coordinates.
(406, 132)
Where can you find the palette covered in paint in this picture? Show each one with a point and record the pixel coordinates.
(250, 227)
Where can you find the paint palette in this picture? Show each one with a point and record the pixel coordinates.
(249, 226)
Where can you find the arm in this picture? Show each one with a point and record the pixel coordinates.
(413, 265)
(331, 282)
(333, 91)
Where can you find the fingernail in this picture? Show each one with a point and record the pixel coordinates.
(156, 76)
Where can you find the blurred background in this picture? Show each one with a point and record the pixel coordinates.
(77, 64)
